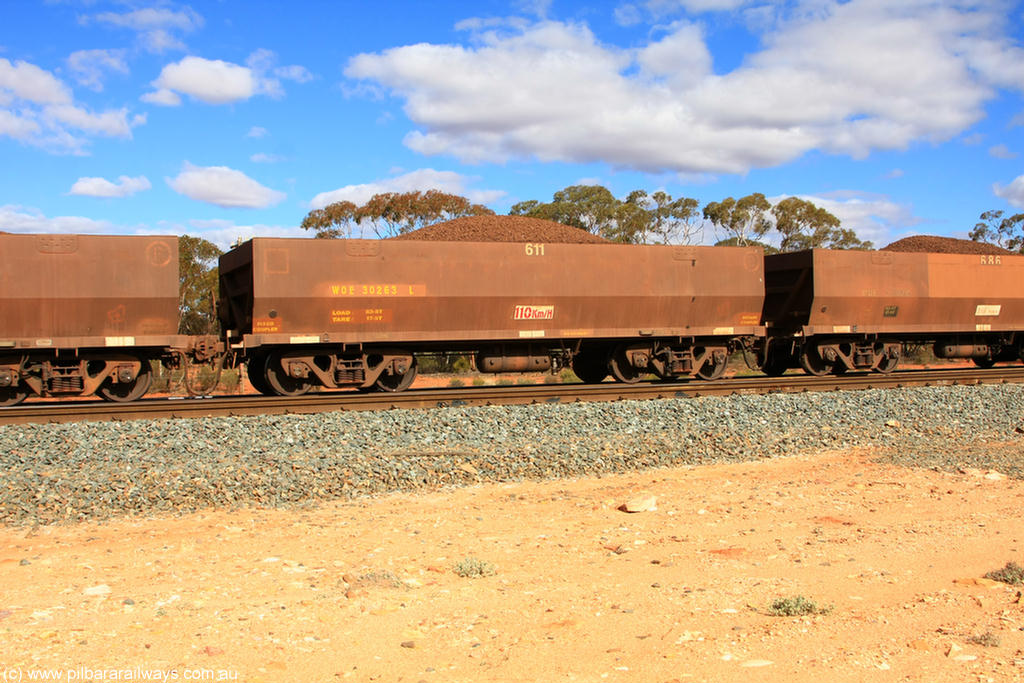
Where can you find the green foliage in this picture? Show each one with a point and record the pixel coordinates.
(390, 213)
(806, 226)
(461, 365)
(640, 219)
(1007, 233)
(1012, 574)
(455, 383)
(744, 219)
(567, 376)
(796, 606)
(473, 568)
(986, 639)
(197, 275)
(735, 242)
(479, 382)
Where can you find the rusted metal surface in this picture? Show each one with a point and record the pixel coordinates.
(74, 291)
(307, 291)
(825, 292)
(495, 395)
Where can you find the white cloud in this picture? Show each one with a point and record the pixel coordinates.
(162, 97)
(420, 180)
(257, 132)
(20, 219)
(262, 158)
(1012, 193)
(843, 77)
(225, 233)
(28, 82)
(223, 186)
(895, 173)
(89, 66)
(156, 28)
(210, 80)
(875, 218)
(215, 81)
(1001, 152)
(101, 187)
(37, 108)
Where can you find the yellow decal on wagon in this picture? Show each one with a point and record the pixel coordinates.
(377, 289)
(266, 325)
(988, 309)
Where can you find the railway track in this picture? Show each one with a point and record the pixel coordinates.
(81, 411)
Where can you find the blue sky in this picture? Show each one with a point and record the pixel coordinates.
(234, 118)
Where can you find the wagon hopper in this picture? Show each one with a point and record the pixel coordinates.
(833, 311)
(85, 314)
(335, 313)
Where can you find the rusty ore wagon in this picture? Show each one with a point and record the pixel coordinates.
(357, 313)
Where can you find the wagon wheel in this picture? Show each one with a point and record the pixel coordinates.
(590, 366)
(280, 383)
(984, 362)
(392, 382)
(12, 396)
(123, 392)
(622, 370)
(812, 362)
(711, 369)
(887, 364)
(255, 369)
(839, 368)
(775, 365)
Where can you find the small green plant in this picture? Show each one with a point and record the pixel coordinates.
(1012, 574)
(473, 568)
(524, 381)
(230, 381)
(567, 376)
(455, 382)
(461, 365)
(797, 606)
(986, 639)
(551, 379)
(479, 381)
(505, 382)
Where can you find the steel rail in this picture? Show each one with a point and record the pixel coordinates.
(224, 406)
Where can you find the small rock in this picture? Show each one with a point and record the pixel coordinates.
(919, 644)
(954, 650)
(93, 591)
(212, 651)
(992, 475)
(127, 601)
(409, 643)
(642, 503)
(24, 563)
(895, 424)
(975, 581)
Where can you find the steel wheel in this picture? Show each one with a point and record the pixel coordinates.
(622, 370)
(390, 382)
(984, 362)
(887, 364)
(255, 370)
(12, 396)
(280, 383)
(812, 362)
(591, 366)
(123, 392)
(711, 369)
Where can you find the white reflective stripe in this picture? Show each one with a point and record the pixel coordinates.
(120, 341)
(309, 339)
(982, 327)
(988, 309)
(842, 329)
(724, 330)
(531, 333)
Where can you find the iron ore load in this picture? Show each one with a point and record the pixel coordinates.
(88, 315)
(84, 315)
(356, 313)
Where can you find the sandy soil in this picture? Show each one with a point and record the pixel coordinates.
(581, 590)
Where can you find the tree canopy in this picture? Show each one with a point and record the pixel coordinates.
(744, 219)
(390, 213)
(806, 226)
(1007, 233)
(639, 219)
(197, 275)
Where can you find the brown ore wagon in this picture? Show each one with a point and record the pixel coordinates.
(307, 312)
(85, 314)
(833, 311)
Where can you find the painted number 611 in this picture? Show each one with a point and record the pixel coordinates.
(534, 249)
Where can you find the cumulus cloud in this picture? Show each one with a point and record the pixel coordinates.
(1001, 152)
(264, 158)
(101, 187)
(157, 28)
(90, 66)
(257, 132)
(225, 233)
(215, 81)
(37, 108)
(420, 180)
(876, 218)
(842, 77)
(223, 186)
(21, 219)
(1012, 193)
